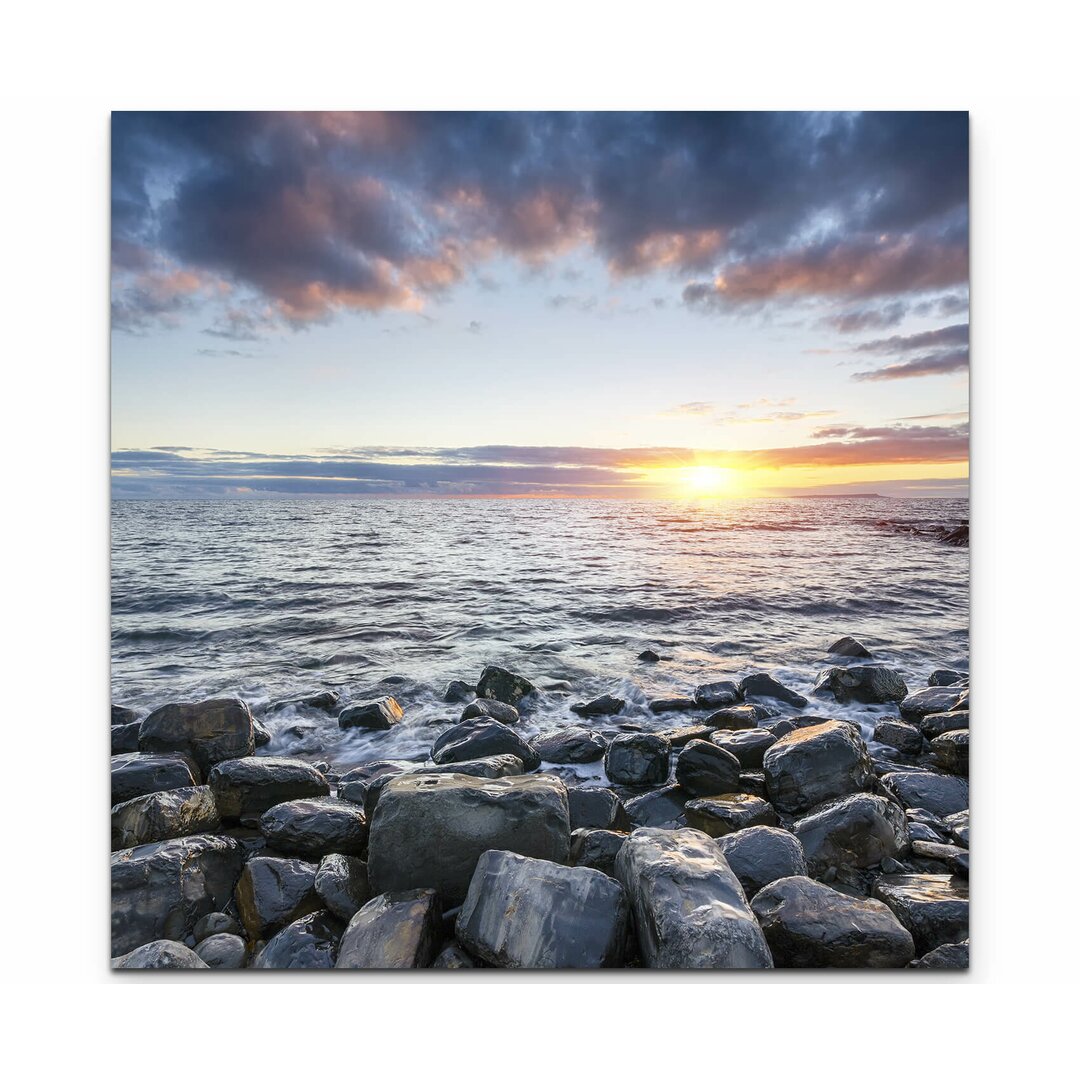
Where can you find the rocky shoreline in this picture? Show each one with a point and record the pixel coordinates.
(761, 832)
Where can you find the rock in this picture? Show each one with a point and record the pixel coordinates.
(934, 907)
(808, 924)
(868, 684)
(952, 859)
(941, 795)
(142, 774)
(958, 825)
(216, 922)
(918, 831)
(429, 831)
(341, 883)
(570, 746)
(121, 716)
(596, 849)
(497, 710)
(953, 955)
(596, 808)
(934, 724)
(848, 646)
(814, 764)
(719, 815)
(672, 704)
(162, 890)
(379, 715)
(489, 768)
(228, 952)
(208, 731)
(315, 827)
(273, 892)
(605, 705)
(164, 815)
(680, 736)
(761, 685)
(160, 955)
(503, 685)
(858, 830)
(705, 769)
(638, 760)
(479, 738)
(689, 908)
(739, 717)
(372, 770)
(963, 701)
(945, 677)
(748, 746)
(950, 750)
(529, 913)
(900, 736)
(659, 809)
(934, 699)
(453, 958)
(309, 943)
(457, 691)
(647, 656)
(248, 787)
(395, 930)
(260, 733)
(324, 701)
(717, 695)
(752, 782)
(124, 738)
(762, 854)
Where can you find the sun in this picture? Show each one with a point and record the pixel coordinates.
(708, 479)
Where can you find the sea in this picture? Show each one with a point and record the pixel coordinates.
(275, 600)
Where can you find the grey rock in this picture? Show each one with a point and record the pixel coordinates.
(959, 827)
(160, 955)
(945, 677)
(762, 854)
(596, 848)
(341, 883)
(596, 808)
(744, 717)
(227, 952)
(680, 736)
(938, 856)
(808, 924)
(934, 907)
(457, 691)
(247, 787)
(647, 656)
(717, 695)
(718, 815)
(659, 809)
(121, 715)
(216, 922)
(868, 684)
(934, 699)
(260, 733)
(905, 738)
(944, 957)
(638, 760)
(141, 774)
(208, 731)
(814, 764)
(858, 830)
(605, 705)
(309, 943)
(497, 710)
(752, 782)
(124, 738)
(761, 685)
(453, 958)
(164, 815)
(323, 700)
(690, 910)
(503, 685)
(273, 892)
(315, 827)
(950, 751)
(849, 646)
(934, 724)
(570, 746)
(941, 795)
(748, 746)
(479, 738)
(672, 704)
(379, 715)
(488, 768)
(706, 769)
(394, 930)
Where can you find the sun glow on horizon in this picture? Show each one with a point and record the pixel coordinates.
(709, 480)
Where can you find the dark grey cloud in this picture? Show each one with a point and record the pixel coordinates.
(957, 334)
(938, 363)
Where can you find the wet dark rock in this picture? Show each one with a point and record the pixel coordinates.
(596, 808)
(313, 828)
(690, 910)
(488, 768)
(308, 944)
(457, 691)
(260, 733)
(945, 677)
(121, 716)
(762, 854)
(944, 957)
(208, 731)
(606, 705)
(481, 738)
(815, 764)
(950, 751)
(160, 955)
(141, 774)
(952, 859)
(848, 646)
(371, 770)
(752, 782)
(646, 656)
(162, 890)
(529, 913)
(717, 695)
(429, 831)
(503, 685)
(660, 809)
(672, 704)
(761, 685)
(323, 700)
(934, 907)
(226, 952)
(247, 787)
(748, 746)
(933, 699)
(570, 746)
(453, 958)
(718, 815)
(341, 883)
(919, 831)
(497, 710)
(808, 924)
(964, 700)
(273, 892)
(216, 922)
(638, 760)
(395, 930)
(706, 769)
(380, 715)
(959, 827)
(596, 848)
(900, 736)
(858, 830)
(868, 684)
(934, 724)
(164, 815)
(941, 795)
(740, 717)
(124, 738)
(680, 736)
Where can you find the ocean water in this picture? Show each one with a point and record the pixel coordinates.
(275, 599)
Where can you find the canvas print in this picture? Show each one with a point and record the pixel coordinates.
(539, 541)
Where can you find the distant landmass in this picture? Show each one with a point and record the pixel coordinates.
(855, 495)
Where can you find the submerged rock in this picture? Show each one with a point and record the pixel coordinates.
(849, 646)
(164, 815)
(761, 685)
(660, 809)
(950, 750)
(646, 656)
(814, 764)
(717, 695)
(596, 848)
(596, 808)
(341, 883)
(379, 715)
(941, 795)
(748, 746)
(503, 685)
(570, 746)
(248, 787)
(529, 913)
(638, 760)
(606, 705)
(160, 955)
(934, 907)
(309, 943)
(480, 738)
(273, 892)
(142, 774)
(762, 854)
(859, 830)
(315, 827)
(934, 699)
(227, 952)
(395, 930)
(808, 924)
(706, 769)
(497, 710)
(429, 831)
(208, 731)
(690, 910)
(719, 815)
(868, 684)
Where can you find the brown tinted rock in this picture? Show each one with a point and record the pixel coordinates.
(209, 731)
(164, 815)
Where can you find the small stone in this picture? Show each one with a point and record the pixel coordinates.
(124, 738)
(647, 656)
(208, 731)
(950, 956)
(226, 952)
(394, 930)
(859, 830)
(900, 736)
(274, 892)
(815, 764)
(672, 704)
(660, 809)
(457, 691)
(313, 828)
(761, 685)
(134, 775)
(941, 795)
(164, 815)
(950, 750)
(638, 760)
(248, 787)
(934, 699)
(453, 958)
(480, 738)
(945, 677)
(380, 715)
(705, 769)
(848, 646)
(934, 724)
(121, 715)
(216, 922)
(959, 827)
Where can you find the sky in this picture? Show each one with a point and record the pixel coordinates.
(515, 304)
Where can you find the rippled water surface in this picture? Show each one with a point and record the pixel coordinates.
(270, 600)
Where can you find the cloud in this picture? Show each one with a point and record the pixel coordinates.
(577, 303)
(475, 326)
(956, 334)
(691, 408)
(939, 363)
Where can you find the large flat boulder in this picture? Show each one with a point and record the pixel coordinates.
(395, 930)
(141, 774)
(210, 731)
(430, 831)
(249, 786)
(858, 830)
(814, 764)
(690, 910)
(162, 890)
(932, 699)
(164, 815)
(719, 815)
(530, 913)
